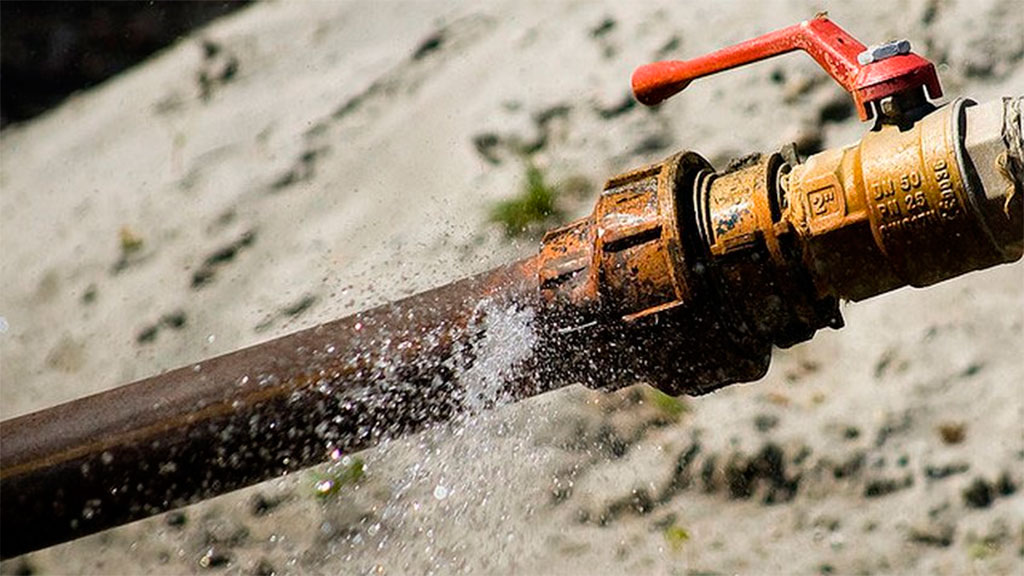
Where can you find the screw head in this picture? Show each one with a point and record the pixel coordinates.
(880, 52)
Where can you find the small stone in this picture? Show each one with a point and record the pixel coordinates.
(89, 296)
(850, 467)
(429, 45)
(148, 334)
(486, 146)
(261, 504)
(582, 516)
(300, 306)
(972, 369)
(1005, 485)
(892, 426)
(176, 518)
(130, 241)
(604, 27)
(765, 422)
(885, 486)
(175, 319)
(952, 432)
(938, 472)
(708, 477)
(979, 494)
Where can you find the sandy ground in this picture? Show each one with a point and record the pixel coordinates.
(334, 150)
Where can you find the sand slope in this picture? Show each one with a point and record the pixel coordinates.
(299, 161)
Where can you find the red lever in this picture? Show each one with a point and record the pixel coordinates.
(869, 75)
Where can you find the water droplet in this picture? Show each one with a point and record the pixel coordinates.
(107, 457)
(214, 557)
(210, 339)
(359, 326)
(440, 492)
(323, 487)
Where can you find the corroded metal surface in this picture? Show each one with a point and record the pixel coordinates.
(682, 277)
(260, 412)
(901, 204)
(644, 285)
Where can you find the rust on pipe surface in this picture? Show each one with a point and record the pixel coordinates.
(683, 277)
(254, 414)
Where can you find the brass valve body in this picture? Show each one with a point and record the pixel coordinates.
(900, 207)
(701, 272)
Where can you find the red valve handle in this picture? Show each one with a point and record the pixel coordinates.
(831, 46)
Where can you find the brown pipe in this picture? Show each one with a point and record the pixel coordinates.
(683, 277)
(260, 412)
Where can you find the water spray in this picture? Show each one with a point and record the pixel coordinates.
(683, 277)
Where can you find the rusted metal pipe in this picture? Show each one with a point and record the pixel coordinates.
(257, 413)
(683, 277)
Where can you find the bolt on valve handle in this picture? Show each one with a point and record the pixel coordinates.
(870, 75)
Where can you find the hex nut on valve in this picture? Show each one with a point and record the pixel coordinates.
(880, 52)
(993, 151)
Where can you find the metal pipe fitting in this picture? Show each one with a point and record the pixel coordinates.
(909, 205)
(683, 277)
(761, 252)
